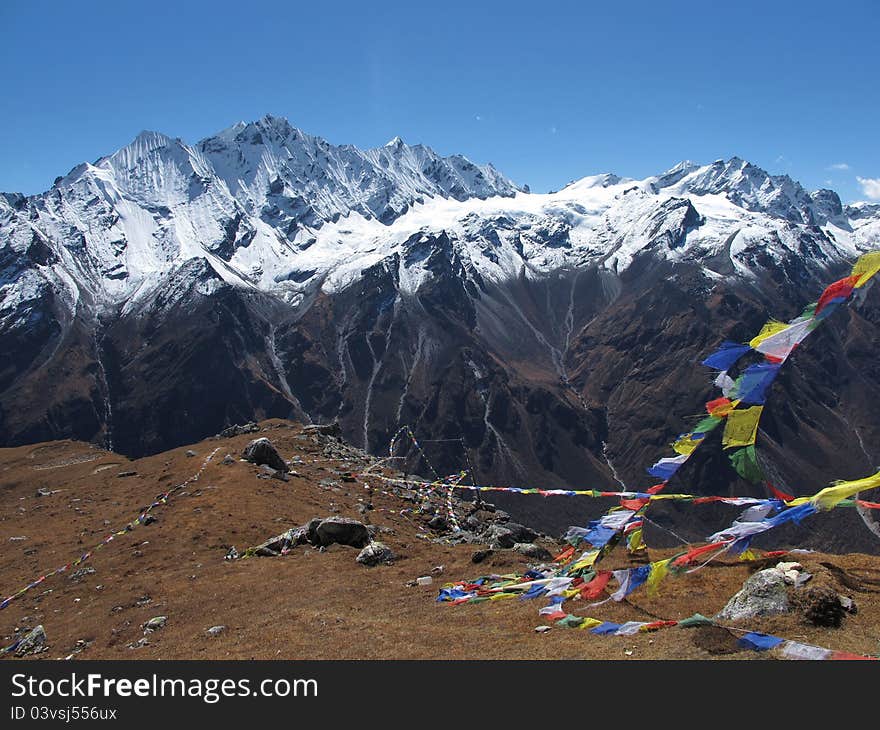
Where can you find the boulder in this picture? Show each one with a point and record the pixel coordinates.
(342, 531)
(261, 451)
(438, 523)
(34, 642)
(763, 594)
(521, 533)
(822, 606)
(375, 553)
(498, 537)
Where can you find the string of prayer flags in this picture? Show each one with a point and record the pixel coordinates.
(741, 428)
(780, 345)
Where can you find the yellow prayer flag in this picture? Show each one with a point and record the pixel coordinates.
(768, 330)
(830, 496)
(589, 623)
(500, 596)
(685, 445)
(866, 267)
(741, 428)
(586, 561)
(658, 572)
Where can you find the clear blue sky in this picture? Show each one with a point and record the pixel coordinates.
(547, 91)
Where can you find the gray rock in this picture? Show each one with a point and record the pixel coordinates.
(34, 642)
(480, 555)
(155, 623)
(261, 451)
(521, 533)
(285, 541)
(499, 537)
(237, 430)
(530, 550)
(312, 530)
(327, 429)
(82, 573)
(438, 523)
(123, 474)
(190, 453)
(848, 604)
(216, 630)
(228, 460)
(375, 553)
(763, 594)
(342, 531)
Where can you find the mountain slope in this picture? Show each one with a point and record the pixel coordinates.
(169, 290)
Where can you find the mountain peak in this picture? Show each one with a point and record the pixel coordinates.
(396, 142)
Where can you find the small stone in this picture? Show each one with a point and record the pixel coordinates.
(375, 553)
(43, 492)
(228, 460)
(531, 550)
(123, 474)
(216, 630)
(480, 555)
(33, 643)
(542, 629)
(849, 605)
(149, 519)
(190, 453)
(155, 623)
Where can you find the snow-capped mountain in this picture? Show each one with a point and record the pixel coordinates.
(167, 290)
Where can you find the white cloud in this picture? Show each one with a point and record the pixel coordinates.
(870, 187)
(838, 166)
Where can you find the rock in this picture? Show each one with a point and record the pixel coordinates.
(785, 567)
(438, 523)
(43, 492)
(149, 519)
(375, 553)
(228, 460)
(82, 573)
(790, 576)
(542, 629)
(238, 430)
(822, 606)
(342, 531)
(328, 429)
(530, 550)
(261, 451)
(763, 594)
(123, 474)
(190, 453)
(848, 604)
(155, 623)
(480, 555)
(520, 533)
(498, 537)
(285, 541)
(312, 530)
(34, 642)
(216, 630)
(274, 473)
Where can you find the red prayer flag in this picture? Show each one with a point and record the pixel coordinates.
(594, 588)
(842, 288)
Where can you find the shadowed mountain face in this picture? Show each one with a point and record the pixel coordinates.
(554, 340)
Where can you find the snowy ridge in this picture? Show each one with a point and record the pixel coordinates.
(267, 206)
